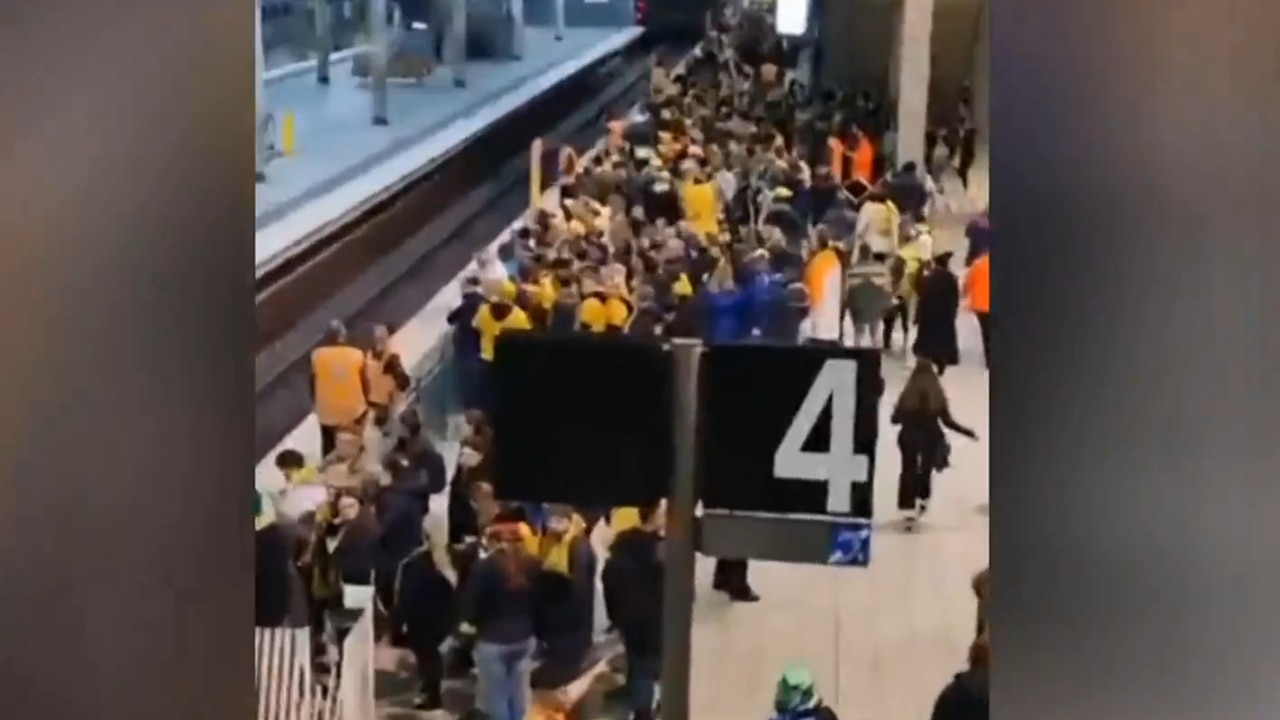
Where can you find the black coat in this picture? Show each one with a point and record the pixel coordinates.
(272, 584)
(966, 697)
(633, 580)
(937, 309)
(566, 606)
(401, 506)
(426, 603)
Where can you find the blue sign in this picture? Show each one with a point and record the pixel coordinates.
(850, 544)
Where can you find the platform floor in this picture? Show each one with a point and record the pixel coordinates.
(336, 141)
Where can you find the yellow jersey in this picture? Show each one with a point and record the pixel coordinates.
(490, 327)
(702, 208)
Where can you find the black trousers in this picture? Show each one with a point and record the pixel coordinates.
(915, 483)
(730, 575)
(430, 668)
(328, 440)
(984, 327)
(898, 314)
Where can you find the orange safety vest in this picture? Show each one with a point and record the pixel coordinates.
(837, 158)
(864, 158)
(338, 372)
(382, 386)
(977, 285)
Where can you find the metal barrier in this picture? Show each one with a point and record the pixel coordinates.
(288, 689)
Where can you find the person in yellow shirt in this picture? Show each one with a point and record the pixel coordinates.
(499, 314)
(701, 205)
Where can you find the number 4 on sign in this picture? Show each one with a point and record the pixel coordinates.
(840, 467)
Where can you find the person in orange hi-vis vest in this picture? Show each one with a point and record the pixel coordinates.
(977, 290)
(863, 158)
(339, 386)
(837, 161)
(387, 377)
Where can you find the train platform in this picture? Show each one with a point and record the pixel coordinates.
(342, 163)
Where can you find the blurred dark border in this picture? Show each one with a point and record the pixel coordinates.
(1135, 402)
(126, 282)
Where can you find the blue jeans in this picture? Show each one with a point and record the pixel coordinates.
(642, 684)
(500, 674)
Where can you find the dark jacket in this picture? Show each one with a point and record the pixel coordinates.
(463, 522)
(633, 580)
(401, 506)
(272, 584)
(426, 604)
(566, 607)
(966, 697)
(936, 314)
(686, 318)
(353, 559)
(978, 231)
(501, 614)
(426, 462)
(563, 317)
(466, 341)
(867, 294)
(908, 194)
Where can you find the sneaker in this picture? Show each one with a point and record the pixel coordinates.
(744, 595)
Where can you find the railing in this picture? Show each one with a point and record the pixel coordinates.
(288, 688)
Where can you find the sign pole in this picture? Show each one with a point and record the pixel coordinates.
(680, 547)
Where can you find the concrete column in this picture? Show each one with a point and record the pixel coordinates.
(379, 55)
(260, 124)
(914, 51)
(981, 77)
(324, 38)
(455, 43)
(517, 21)
(558, 9)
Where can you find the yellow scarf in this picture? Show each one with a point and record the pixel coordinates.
(555, 553)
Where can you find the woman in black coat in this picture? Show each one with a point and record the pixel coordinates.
(936, 313)
(423, 616)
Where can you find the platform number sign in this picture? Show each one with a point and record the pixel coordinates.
(840, 466)
(788, 430)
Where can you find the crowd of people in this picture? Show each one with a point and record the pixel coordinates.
(735, 207)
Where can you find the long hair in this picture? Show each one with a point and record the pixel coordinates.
(510, 555)
(923, 391)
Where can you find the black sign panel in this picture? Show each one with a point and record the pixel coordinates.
(789, 430)
(582, 419)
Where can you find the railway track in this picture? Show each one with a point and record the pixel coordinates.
(388, 263)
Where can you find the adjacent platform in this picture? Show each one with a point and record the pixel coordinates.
(343, 163)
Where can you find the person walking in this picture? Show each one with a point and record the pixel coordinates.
(977, 291)
(936, 313)
(921, 412)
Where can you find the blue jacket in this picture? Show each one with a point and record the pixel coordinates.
(768, 303)
(466, 341)
(727, 314)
